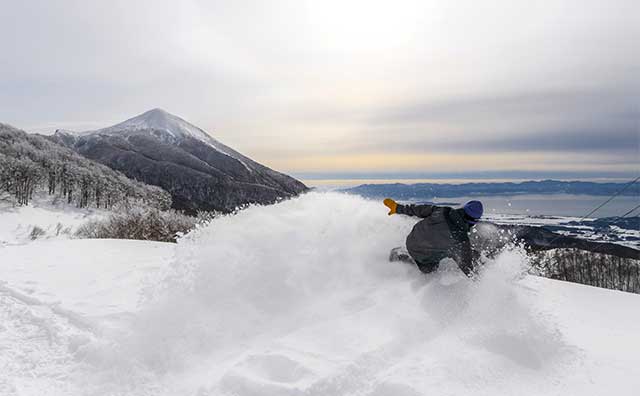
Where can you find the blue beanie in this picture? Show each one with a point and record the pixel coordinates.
(473, 209)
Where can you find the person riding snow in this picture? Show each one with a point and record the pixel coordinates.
(443, 232)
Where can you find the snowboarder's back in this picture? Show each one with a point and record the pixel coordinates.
(443, 232)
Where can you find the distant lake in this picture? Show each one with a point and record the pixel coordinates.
(552, 204)
(331, 184)
(528, 204)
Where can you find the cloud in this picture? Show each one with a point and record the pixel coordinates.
(541, 121)
(286, 79)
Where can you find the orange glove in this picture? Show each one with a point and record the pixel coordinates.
(391, 204)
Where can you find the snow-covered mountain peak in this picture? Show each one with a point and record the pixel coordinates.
(67, 132)
(173, 130)
(159, 119)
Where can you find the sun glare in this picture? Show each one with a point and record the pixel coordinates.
(361, 25)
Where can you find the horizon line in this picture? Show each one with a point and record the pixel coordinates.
(483, 175)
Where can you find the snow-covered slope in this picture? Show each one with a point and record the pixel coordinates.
(55, 220)
(89, 277)
(298, 298)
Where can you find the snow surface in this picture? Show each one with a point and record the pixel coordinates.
(299, 298)
(57, 220)
(56, 272)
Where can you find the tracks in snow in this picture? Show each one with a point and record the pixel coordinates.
(37, 344)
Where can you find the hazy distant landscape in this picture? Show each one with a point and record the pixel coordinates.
(422, 190)
(533, 198)
(556, 205)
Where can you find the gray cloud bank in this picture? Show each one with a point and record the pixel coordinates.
(541, 121)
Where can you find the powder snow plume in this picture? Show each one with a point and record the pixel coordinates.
(299, 298)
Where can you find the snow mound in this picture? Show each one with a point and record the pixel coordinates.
(299, 298)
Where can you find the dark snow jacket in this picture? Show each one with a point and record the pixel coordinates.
(442, 232)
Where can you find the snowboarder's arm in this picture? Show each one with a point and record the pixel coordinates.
(391, 204)
(415, 210)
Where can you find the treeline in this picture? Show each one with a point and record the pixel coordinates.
(31, 163)
(589, 268)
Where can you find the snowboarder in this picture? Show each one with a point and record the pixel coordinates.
(443, 232)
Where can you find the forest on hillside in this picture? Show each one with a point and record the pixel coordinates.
(589, 268)
(32, 163)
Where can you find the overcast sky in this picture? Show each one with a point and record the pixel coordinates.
(344, 87)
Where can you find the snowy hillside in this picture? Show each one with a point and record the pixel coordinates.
(298, 298)
(48, 219)
(199, 172)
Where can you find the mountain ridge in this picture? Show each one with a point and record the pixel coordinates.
(200, 172)
(426, 190)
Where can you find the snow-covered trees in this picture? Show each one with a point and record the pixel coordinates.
(20, 176)
(29, 163)
(140, 223)
(590, 268)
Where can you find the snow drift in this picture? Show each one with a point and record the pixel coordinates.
(299, 298)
